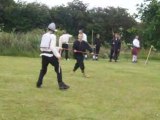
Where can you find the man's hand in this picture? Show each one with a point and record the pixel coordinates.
(74, 50)
(92, 53)
(59, 58)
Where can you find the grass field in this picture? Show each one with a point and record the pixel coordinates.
(115, 91)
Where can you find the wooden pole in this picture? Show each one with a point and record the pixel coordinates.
(92, 37)
(148, 54)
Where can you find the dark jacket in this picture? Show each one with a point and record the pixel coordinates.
(81, 47)
(115, 44)
(97, 42)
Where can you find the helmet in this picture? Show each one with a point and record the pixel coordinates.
(52, 26)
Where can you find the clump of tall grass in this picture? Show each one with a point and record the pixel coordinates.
(20, 44)
(27, 44)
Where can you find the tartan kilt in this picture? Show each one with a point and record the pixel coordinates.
(135, 51)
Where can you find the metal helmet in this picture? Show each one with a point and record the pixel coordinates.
(52, 26)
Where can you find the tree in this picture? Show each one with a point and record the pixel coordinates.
(108, 20)
(72, 17)
(3, 5)
(150, 15)
(62, 17)
(25, 17)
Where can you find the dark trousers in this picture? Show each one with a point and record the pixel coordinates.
(97, 50)
(79, 63)
(114, 54)
(65, 46)
(54, 62)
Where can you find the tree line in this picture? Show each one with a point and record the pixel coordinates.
(23, 17)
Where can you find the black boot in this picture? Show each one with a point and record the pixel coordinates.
(38, 85)
(63, 86)
(40, 79)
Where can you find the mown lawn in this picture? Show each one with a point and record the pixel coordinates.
(115, 91)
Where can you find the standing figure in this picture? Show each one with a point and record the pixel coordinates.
(84, 38)
(115, 48)
(97, 44)
(50, 54)
(63, 43)
(79, 48)
(135, 49)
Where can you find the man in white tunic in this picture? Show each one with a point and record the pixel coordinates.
(135, 49)
(50, 54)
(63, 43)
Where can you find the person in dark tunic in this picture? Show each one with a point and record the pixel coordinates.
(79, 48)
(115, 48)
(97, 44)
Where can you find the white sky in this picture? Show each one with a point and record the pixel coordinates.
(129, 4)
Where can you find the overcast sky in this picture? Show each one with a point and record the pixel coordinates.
(129, 4)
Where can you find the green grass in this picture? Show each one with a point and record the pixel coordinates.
(115, 91)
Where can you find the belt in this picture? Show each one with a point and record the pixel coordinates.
(49, 52)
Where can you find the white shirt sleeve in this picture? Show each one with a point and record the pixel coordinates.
(68, 37)
(60, 41)
(53, 47)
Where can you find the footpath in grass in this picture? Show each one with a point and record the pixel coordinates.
(115, 91)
